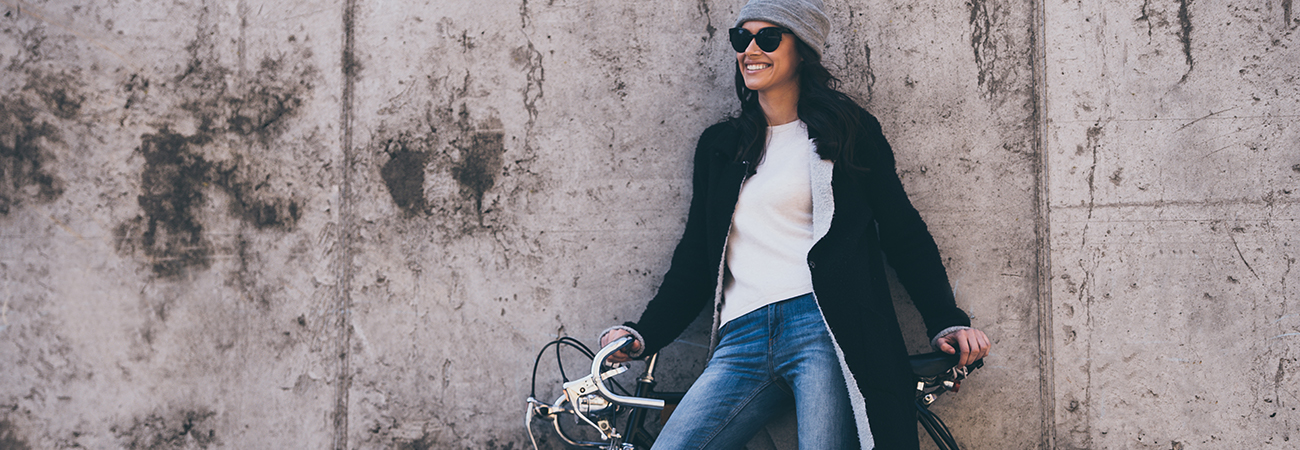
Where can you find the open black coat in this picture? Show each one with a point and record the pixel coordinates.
(871, 215)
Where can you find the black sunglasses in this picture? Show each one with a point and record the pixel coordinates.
(768, 38)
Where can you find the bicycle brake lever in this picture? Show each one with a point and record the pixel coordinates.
(575, 389)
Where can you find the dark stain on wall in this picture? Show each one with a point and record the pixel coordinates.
(172, 182)
(868, 73)
(981, 42)
(188, 428)
(1185, 35)
(203, 86)
(180, 171)
(260, 110)
(244, 279)
(60, 92)
(136, 89)
(1286, 14)
(9, 439)
(473, 157)
(480, 157)
(27, 131)
(425, 442)
(248, 200)
(404, 176)
(493, 445)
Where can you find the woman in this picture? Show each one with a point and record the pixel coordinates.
(793, 203)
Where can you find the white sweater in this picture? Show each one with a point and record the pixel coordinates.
(772, 230)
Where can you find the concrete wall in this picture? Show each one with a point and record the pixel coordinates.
(1173, 169)
(252, 224)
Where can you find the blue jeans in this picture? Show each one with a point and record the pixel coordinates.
(778, 355)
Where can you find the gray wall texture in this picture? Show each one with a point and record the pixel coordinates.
(298, 224)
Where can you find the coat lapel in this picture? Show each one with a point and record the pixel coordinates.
(823, 198)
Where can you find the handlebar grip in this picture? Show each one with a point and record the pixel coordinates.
(599, 361)
(627, 345)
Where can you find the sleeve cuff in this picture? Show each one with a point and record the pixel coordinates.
(635, 335)
(946, 331)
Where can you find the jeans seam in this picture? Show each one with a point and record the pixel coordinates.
(734, 412)
(773, 322)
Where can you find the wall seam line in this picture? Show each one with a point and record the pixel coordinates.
(343, 381)
(1042, 230)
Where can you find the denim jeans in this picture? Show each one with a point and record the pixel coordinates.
(774, 357)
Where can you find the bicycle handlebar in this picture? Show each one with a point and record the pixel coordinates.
(596, 364)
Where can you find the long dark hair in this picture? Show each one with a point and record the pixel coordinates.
(831, 116)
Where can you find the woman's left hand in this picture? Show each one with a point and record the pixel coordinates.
(972, 343)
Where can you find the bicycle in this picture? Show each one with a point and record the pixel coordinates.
(594, 404)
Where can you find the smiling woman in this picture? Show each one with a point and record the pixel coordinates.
(794, 203)
(772, 73)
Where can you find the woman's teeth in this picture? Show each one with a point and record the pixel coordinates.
(755, 66)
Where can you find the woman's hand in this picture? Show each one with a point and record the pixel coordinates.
(618, 356)
(972, 343)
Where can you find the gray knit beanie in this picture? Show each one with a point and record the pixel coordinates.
(804, 17)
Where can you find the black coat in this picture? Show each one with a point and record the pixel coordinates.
(871, 214)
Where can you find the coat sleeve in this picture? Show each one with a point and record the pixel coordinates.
(904, 238)
(692, 278)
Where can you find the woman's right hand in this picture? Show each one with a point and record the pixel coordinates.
(618, 356)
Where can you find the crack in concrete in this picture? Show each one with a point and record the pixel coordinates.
(524, 15)
(1084, 299)
(1211, 114)
(536, 77)
(708, 25)
(1094, 135)
(1146, 17)
(533, 91)
(1239, 255)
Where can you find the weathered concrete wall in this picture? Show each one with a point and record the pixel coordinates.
(246, 224)
(1173, 169)
(169, 207)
